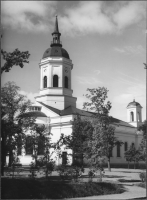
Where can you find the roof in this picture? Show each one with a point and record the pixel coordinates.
(72, 110)
(133, 103)
(56, 51)
(118, 122)
(51, 108)
(67, 111)
(34, 114)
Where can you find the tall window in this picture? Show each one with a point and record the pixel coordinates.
(118, 150)
(132, 116)
(126, 146)
(66, 82)
(138, 116)
(45, 82)
(29, 146)
(55, 81)
(64, 158)
(41, 144)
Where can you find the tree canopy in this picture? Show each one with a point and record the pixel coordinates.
(16, 57)
(13, 105)
(103, 138)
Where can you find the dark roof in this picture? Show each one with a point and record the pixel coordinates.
(72, 110)
(56, 51)
(34, 114)
(133, 103)
(51, 108)
(68, 111)
(119, 122)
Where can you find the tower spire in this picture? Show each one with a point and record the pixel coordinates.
(56, 35)
(56, 29)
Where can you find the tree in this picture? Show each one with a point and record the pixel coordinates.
(13, 105)
(81, 132)
(132, 155)
(103, 139)
(142, 147)
(17, 58)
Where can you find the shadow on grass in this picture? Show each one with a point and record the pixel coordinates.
(54, 188)
(128, 181)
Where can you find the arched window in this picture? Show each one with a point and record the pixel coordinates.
(66, 82)
(126, 146)
(29, 146)
(132, 116)
(55, 81)
(138, 117)
(118, 150)
(45, 82)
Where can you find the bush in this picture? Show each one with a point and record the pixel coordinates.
(142, 176)
(35, 189)
(69, 172)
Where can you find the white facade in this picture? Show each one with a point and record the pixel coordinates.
(56, 103)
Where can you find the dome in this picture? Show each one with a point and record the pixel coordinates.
(56, 51)
(134, 103)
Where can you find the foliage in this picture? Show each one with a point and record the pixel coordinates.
(17, 58)
(47, 189)
(132, 155)
(103, 138)
(96, 166)
(97, 99)
(69, 172)
(13, 105)
(33, 170)
(142, 176)
(81, 132)
(142, 147)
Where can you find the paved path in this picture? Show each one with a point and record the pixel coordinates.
(131, 192)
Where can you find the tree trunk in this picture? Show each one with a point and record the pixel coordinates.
(10, 158)
(134, 165)
(100, 175)
(128, 165)
(109, 169)
(3, 162)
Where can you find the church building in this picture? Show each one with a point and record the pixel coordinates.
(56, 107)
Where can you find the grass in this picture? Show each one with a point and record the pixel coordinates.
(41, 189)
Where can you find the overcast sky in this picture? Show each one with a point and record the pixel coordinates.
(105, 41)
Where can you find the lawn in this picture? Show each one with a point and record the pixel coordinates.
(26, 188)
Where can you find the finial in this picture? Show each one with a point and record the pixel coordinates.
(134, 99)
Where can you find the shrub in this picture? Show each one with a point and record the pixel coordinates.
(69, 172)
(142, 176)
(36, 189)
(33, 170)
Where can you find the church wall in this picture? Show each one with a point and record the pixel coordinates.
(57, 131)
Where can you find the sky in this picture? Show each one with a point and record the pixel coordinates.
(106, 41)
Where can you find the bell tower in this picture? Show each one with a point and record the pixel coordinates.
(134, 113)
(55, 75)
